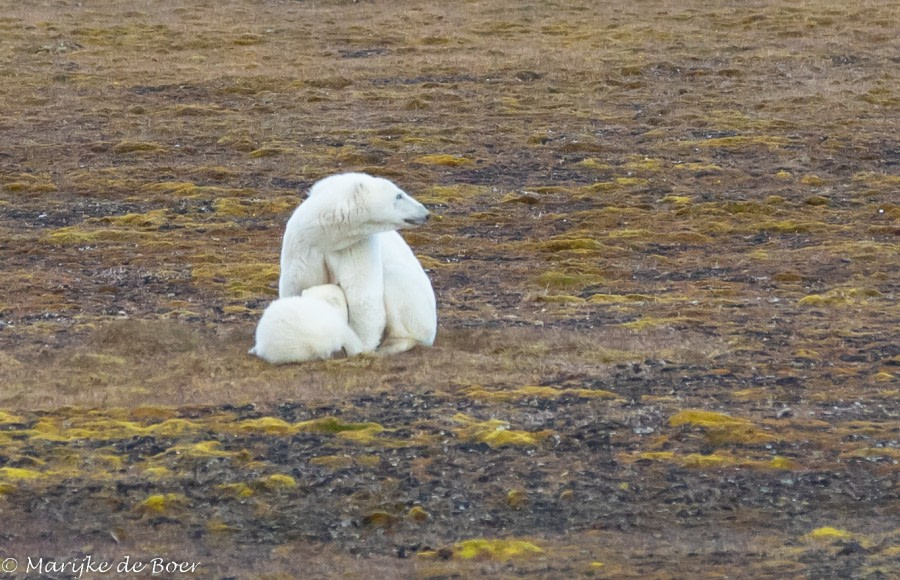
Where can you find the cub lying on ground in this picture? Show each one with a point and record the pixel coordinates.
(306, 327)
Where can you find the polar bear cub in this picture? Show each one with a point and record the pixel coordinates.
(306, 327)
(336, 236)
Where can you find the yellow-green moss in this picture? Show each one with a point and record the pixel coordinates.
(806, 354)
(163, 503)
(240, 280)
(249, 39)
(333, 425)
(620, 298)
(595, 165)
(202, 449)
(829, 533)
(708, 461)
(652, 322)
(677, 200)
(188, 189)
(781, 463)
(17, 473)
(629, 233)
(839, 297)
(418, 514)
(238, 142)
(236, 490)
(242, 207)
(7, 417)
(366, 436)
(333, 461)
(217, 526)
(477, 392)
(442, 159)
(878, 180)
(790, 226)
(429, 263)
(29, 187)
(500, 549)
(629, 181)
(701, 418)
(638, 163)
(516, 498)
(560, 244)
(564, 280)
(78, 235)
(379, 519)
(278, 481)
(139, 147)
(268, 425)
(739, 141)
(172, 427)
(560, 299)
(812, 180)
(497, 433)
(698, 166)
(819, 300)
(269, 151)
(816, 200)
(655, 455)
(451, 193)
(867, 452)
(721, 429)
(367, 461)
(156, 472)
(94, 359)
(526, 198)
(700, 461)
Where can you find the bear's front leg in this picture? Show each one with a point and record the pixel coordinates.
(351, 343)
(358, 270)
(301, 268)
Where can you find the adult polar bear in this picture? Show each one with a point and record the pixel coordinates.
(345, 234)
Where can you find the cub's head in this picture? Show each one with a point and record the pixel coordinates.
(330, 293)
(374, 200)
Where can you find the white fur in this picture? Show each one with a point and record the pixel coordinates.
(308, 327)
(408, 298)
(332, 237)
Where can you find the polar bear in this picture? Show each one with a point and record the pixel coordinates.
(307, 327)
(345, 234)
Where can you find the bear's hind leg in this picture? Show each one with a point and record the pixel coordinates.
(396, 345)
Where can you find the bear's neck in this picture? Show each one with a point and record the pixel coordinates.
(334, 227)
(336, 235)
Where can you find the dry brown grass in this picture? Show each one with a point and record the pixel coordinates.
(130, 362)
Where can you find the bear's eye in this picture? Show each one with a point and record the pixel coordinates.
(399, 196)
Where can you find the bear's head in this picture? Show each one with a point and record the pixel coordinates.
(374, 200)
(329, 293)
